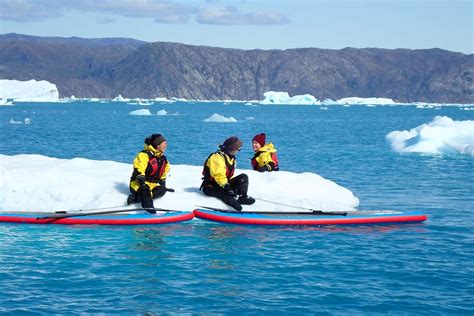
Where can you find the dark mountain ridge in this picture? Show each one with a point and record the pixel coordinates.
(106, 68)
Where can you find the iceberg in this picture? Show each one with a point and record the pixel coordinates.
(28, 91)
(217, 118)
(103, 184)
(365, 101)
(273, 97)
(5, 102)
(161, 112)
(119, 98)
(12, 121)
(440, 136)
(160, 99)
(141, 112)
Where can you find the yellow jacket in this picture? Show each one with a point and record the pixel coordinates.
(263, 158)
(220, 168)
(141, 166)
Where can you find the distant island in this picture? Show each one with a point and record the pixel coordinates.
(106, 68)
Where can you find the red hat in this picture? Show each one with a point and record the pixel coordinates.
(260, 138)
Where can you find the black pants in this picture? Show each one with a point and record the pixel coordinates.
(145, 196)
(239, 184)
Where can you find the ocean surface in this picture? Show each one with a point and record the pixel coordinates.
(208, 268)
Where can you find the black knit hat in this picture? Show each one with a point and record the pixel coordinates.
(155, 140)
(231, 144)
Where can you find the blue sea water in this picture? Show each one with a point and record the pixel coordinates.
(207, 268)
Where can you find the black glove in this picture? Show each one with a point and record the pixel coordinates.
(141, 179)
(228, 189)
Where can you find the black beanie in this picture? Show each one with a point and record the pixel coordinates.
(230, 144)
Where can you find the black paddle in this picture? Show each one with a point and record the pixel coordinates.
(313, 212)
(65, 214)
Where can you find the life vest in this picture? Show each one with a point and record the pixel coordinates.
(206, 172)
(273, 156)
(155, 168)
(275, 161)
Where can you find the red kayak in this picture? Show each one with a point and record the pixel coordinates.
(97, 218)
(309, 218)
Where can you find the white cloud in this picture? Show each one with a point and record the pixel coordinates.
(230, 15)
(160, 11)
(28, 10)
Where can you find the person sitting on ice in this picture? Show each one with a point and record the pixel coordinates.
(150, 168)
(265, 158)
(218, 176)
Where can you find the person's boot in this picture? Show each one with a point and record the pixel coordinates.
(246, 200)
(147, 202)
(131, 199)
(145, 198)
(231, 201)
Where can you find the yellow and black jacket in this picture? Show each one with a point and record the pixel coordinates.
(152, 164)
(265, 159)
(218, 169)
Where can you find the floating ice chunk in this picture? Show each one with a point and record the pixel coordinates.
(29, 91)
(145, 102)
(6, 102)
(100, 184)
(141, 102)
(329, 102)
(161, 112)
(12, 121)
(174, 99)
(160, 99)
(140, 112)
(365, 101)
(217, 118)
(119, 98)
(442, 135)
(273, 97)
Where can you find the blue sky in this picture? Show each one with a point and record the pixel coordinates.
(248, 24)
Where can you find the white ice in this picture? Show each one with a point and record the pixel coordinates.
(274, 97)
(442, 135)
(217, 118)
(28, 91)
(365, 101)
(279, 97)
(12, 121)
(44, 91)
(119, 98)
(141, 112)
(6, 102)
(70, 184)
